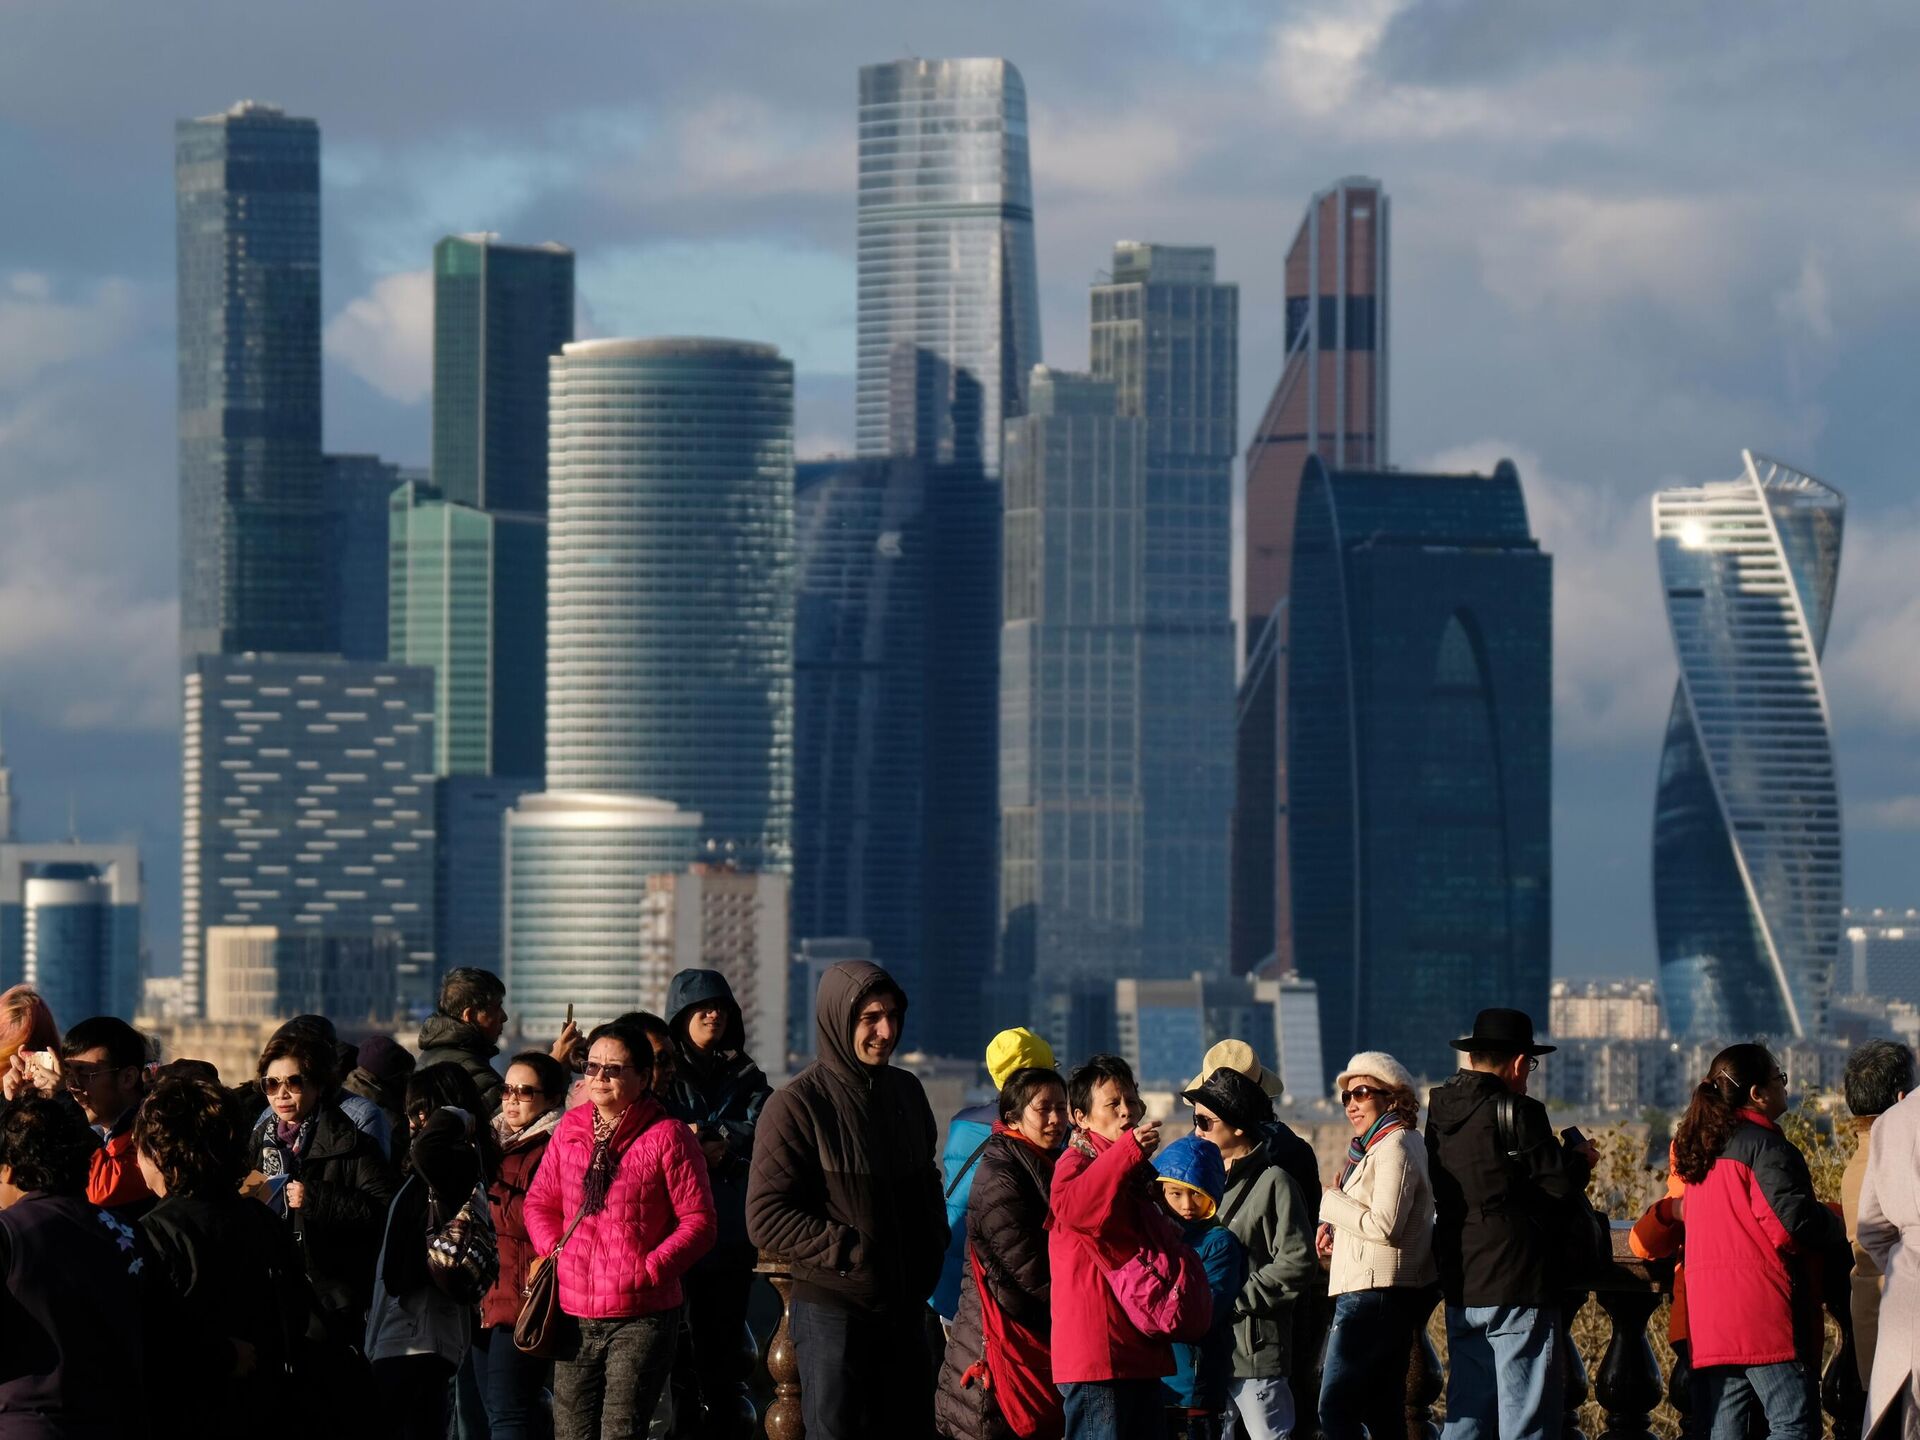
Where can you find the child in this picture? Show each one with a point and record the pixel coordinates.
(1192, 1179)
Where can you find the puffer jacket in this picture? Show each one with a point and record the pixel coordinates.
(1103, 1214)
(844, 1185)
(1204, 1370)
(1268, 1216)
(1752, 1226)
(520, 1155)
(1382, 1219)
(658, 1218)
(1006, 1227)
(723, 1092)
(1659, 1235)
(966, 1132)
(443, 1038)
(349, 1186)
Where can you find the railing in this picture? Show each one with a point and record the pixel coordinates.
(783, 1420)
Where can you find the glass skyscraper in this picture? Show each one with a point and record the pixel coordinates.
(356, 493)
(499, 312)
(70, 925)
(1167, 335)
(1419, 679)
(1746, 836)
(1071, 799)
(252, 557)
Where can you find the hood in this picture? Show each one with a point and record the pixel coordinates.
(1194, 1163)
(1454, 1103)
(691, 988)
(844, 988)
(443, 1032)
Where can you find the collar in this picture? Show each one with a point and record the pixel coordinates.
(1757, 1118)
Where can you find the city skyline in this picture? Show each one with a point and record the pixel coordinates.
(1533, 295)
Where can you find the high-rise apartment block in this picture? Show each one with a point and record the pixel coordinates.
(1746, 835)
(1614, 1010)
(1166, 333)
(499, 312)
(713, 917)
(70, 926)
(252, 561)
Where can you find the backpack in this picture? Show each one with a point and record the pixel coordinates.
(1162, 1289)
(1579, 1237)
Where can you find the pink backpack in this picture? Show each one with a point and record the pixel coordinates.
(1163, 1289)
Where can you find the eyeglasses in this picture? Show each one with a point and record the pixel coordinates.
(81, 1077)
(292, 1084)
(598, 1071)
(1360, 1092)
(1780, 1076)
(1533, 1063)
(1204, 1123)
(523, 1092)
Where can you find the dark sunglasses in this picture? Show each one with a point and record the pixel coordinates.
(523, 1092)
(292, 1084)
(1360, 1092)
(601, 1070)
(1204, 1123)
(81, 1077)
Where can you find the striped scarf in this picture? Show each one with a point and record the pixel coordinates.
(1357, 1148)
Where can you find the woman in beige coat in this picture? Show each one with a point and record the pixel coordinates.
(1890, 1233)
(1376, 1230)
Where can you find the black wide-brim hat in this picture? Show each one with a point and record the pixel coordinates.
(1234, 1098)
(1502, 1032)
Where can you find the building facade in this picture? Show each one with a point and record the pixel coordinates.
(714, 917)
(258, 973)
(1419, 749)
(309, 808)
(1885, 951)
(1746, 836)
(1614, 1010)
(1168, 336)
(469, 893)
(355, 495)
(1165, 1026)
(70, 926)
(252, 561)
(499, 312)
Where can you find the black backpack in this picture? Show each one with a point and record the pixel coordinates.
(1579, 1236)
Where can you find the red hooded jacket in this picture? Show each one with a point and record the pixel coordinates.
(1101, 1209)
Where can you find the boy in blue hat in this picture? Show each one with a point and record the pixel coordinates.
(1192, 1179)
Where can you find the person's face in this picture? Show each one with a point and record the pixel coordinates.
(706, 1026)
(1770, 1099)
(876, 1030)
(291, 1095)
(1187, 1204)
(1112, 1110)
(1216, 1132)
(1044, 1118)
(1365, 1099)
(489, 1019)
(103, 1090)
(614, 1081)
(522, 1100)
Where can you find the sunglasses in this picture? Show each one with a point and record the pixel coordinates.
(1360, 1092)
(292, 1084)
(523, 1092)
(1205, 1123)
(598, 1070)
(82, 1077)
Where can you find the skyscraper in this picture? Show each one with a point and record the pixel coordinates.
(355, 495)
(1331, 401)
(1746, 836)
(949, 315)
(1070, 688)
(1419, 748)
(1167, 335)
(499, 312)
(252, 560)
(468, 598)
(70, 925)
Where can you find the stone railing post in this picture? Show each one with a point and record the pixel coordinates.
(1628, 1384)
(1424, 1379)
(1842, 1395)
(784, 1421)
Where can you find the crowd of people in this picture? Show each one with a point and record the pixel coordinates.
(443, 1244)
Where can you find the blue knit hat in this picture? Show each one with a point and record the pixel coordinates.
(1196, 1165)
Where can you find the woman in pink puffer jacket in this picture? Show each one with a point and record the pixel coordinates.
(623, 1195)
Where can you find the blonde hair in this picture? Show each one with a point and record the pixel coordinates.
(25, 1023)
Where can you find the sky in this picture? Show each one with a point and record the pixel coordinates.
(1628, 242)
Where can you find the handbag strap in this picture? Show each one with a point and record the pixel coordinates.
(961, 1174)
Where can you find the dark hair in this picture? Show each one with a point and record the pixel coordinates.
(1491, 1059)
(187, 1070)
(1020, 1089)
(1096, 1071)
(1876, 1074)
(632, 1038)
(313, 1055)
(554, 1079)
(1715, 1110)
(644, 1020)
(48, 1145)
(124, 1045)
(447, 1083)
(195, 1134)
(467, 987)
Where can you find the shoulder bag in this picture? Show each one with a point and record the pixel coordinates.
(463, 1255)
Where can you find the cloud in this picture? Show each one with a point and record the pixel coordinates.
(1871, 670)
(1100, 153)
(1899, 812)
(386, 336)
(40, 332)
(1569, 248)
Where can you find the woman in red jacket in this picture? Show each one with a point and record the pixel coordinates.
(1752, 1224)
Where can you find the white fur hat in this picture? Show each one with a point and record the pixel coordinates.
(1378, 1064)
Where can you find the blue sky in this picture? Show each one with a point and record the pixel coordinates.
(1628, 241)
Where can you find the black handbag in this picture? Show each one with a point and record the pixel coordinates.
(463, 1254)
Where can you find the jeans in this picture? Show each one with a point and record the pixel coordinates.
(609, 1387)
(416, 1395)
(1114, 1410)
(863, 1375)
(1263, 1409)
(468, 1419)
(514, 1387)
(1727, 1395)
(1504, 1377)
(1364, 1382)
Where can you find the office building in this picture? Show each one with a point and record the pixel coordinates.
(1746, 835)
(468, 599)
(354, 499)
(499, 312)
(309, 808)
(1168, 336)
(1613, 1010)
(1885, 953)
(1296, 1029)
(252, 537)
(1330, 401)
(1165, 1026)
(70, 926)
(1070, 688)
(1419, 756)
(6, 798)
(816, 956)
(258, 973)
(714, 917)
(469, 894)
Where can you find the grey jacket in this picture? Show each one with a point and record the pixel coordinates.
(1268, 1215)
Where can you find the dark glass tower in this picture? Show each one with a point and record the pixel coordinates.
(1167, 335)
(1419, 745)
(252, 539)
(356, 493)
(499, 312)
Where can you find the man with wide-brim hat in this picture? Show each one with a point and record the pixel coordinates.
(1494, 1197)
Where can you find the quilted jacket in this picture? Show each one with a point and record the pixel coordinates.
(628, 1258)
(1103, 1214)
(521, 1153)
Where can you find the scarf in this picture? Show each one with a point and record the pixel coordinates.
(610, 1142)
(287, 1143)
(1357, 1148)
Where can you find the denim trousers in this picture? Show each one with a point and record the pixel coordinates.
(1114, 1410)
(864, 1375)
(514, 1387)
(1787, 1394)
(1504, 1378)
(1261, 1409)
(608, 1387)
(1364, 1381)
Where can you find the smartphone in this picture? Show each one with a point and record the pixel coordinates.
(569, 1012)
(1572, 1138)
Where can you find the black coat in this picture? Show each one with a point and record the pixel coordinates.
(444, 1039)
(349, 1187)
(1007, 1229)
(1492, 1240)
(722, 1091)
